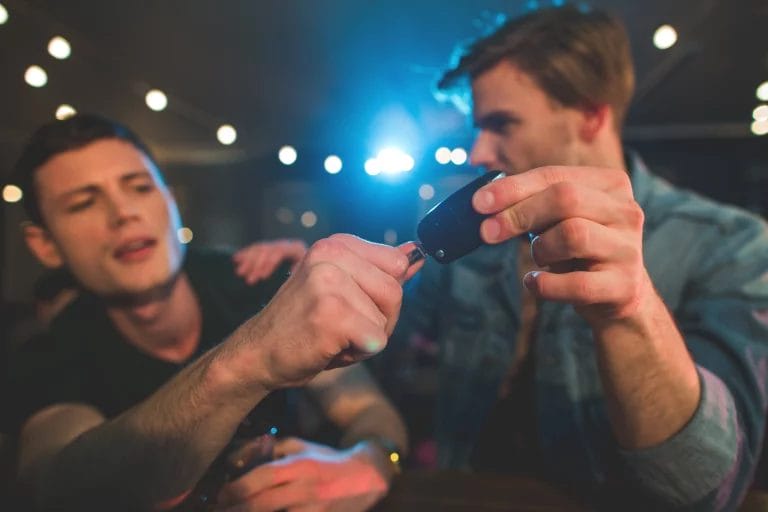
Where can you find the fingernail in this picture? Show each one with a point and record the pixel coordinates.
(417, 254)
(529, 280)
(483, 200)
(533, 256)
(491, 229)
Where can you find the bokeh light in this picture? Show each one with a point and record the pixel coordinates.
(36, 76)
(156, 100)
(12, 194)
(664, 37)
(226, 134)
(59, 48)
(287, 155)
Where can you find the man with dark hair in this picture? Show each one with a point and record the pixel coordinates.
(165, 355)
(631, 363)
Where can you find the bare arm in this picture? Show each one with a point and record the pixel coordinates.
(351, 399)
(48, 431)
(308, 475)
(589, 247)
(651, 384)
(149, 454)
(158, 449)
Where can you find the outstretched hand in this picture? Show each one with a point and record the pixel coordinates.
(338, 307)
(259, 260)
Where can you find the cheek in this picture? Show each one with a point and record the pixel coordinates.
(163, 212)
(79, 237)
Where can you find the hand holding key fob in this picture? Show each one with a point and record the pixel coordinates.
(451, 229)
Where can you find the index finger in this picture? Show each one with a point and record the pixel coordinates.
(387, 258)
(505, 192)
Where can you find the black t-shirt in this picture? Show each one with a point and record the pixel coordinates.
(85, 359)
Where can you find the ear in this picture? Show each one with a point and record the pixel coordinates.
(593, 119)
(42, 245)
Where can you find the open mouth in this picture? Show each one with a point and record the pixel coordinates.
(134, 250)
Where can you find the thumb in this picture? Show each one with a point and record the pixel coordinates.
(288, 446)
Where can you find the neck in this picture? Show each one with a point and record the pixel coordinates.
(167, 327)
(606, 151)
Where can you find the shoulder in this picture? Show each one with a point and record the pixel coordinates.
(663, 203)
(711, 246)
(212, 273)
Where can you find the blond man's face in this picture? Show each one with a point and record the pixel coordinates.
(518, 126)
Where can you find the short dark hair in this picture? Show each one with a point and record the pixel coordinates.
(580, 58)
(58, 137)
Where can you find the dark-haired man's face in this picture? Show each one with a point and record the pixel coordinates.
(518, 126)
(110, 217)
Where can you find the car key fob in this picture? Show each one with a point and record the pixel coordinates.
(451, 229)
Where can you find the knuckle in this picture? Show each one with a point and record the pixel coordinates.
(400, 263)
(329, 306)
(623, 180)
(324, 277)
(326, 249)
(339, 237)
(575, 234)
(381, 320)
(635, 215)
(583, 289)
(552, 174)
(567, 196)
(516, 219)
(393, 292)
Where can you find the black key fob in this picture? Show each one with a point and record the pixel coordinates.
(451, 229)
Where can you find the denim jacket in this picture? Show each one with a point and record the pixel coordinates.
(709, 263)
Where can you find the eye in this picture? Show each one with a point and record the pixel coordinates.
(80, 205)
(500, 125)
(143, 188)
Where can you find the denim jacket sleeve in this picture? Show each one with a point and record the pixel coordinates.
(723, 316)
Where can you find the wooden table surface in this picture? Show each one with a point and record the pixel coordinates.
(454, 491)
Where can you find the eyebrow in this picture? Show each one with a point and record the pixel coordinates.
(88, 189)
(494, 116)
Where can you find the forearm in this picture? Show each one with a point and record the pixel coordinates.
(379, 421)
(651, 385)
(377, 433)
(156, 450)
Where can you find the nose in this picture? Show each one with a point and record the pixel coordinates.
(482, 154)
(121, 209)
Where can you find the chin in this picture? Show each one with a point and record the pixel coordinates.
(140, 293)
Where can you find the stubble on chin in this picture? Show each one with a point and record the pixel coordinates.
(137, 298)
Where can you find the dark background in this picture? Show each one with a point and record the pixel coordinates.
(348, 78)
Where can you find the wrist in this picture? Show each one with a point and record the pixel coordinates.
(634, 314)
(236, 371)
(384, 454)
